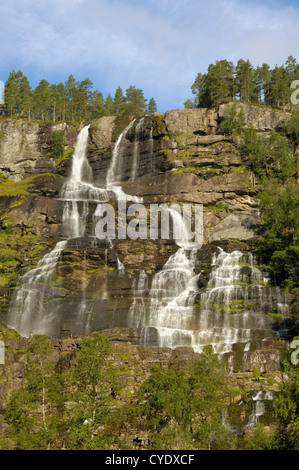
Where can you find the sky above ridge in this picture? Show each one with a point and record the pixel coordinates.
(156, 45)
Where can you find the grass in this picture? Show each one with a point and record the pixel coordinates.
(13, 246)
(5, 278)
(219, 206)
(20, 188)
(66, 154)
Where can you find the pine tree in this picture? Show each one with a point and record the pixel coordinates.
(279, 87)
(97, 104)
(119, 100)
(292, 68)
(35, 410)
(42, 99)
(201, 92)
(70, 87)
(244, 80)
(152, 107)
(85, 93)
(58, 99)
(12, 92)
(219, 83)
(188, 104)
(92, 392)
(135, 101)
(109, 106)
(25, 97)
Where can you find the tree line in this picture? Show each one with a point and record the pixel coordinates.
(224, 81)
(70, 101)
(273, 158)
(83, 404)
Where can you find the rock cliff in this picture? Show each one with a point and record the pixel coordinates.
(181, 156)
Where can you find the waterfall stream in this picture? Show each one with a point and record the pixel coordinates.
(168, 308)
(28, 313)
(259, 401)
(172, 311)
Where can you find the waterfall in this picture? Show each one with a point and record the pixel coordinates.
(168, 309)
(258, 406)
(138, 132)
(228, 310)
(259, 402)
(114, 176)
(29, 312)
(232, 308)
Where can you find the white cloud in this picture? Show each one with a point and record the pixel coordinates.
(157, 45)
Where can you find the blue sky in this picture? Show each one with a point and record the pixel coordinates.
(156, 45)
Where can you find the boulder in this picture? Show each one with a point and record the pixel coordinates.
(200, 121)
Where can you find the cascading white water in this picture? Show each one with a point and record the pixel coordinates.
(260, 399)
(114, 177)
(27, 310)
(28, 313)
(166, 306)
(136, 148)
(227, 310)
(258, 407)
(170, 304)
(80, 190)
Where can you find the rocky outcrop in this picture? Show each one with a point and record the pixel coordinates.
(24, 147)
(261, 118)
(191, 121)
(182, 158)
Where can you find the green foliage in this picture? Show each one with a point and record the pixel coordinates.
(42, 99)
(214, 87)
(57, 144)
(92, 394)
(135, 101)
(33, 410)
(70, 101)
(268, 155)
(286, 408)
(291, 130)
(260, 439)
(50, 403)
(279, 243)
(119, 100)
(233, 121)
(17, 94)
(152, 106)
(189, 401)
(188, 104)
(225, 81)
(81, 406)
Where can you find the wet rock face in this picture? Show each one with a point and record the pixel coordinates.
(181, 158)
(177, 157)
